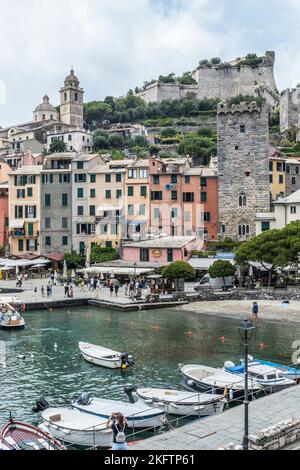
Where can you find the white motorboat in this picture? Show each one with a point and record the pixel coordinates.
(210, 380)
(270, 377)
(139, 415)
(105, 357)
(10, 318)
(73, 427)
(182, 403)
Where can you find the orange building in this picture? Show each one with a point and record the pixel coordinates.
(184, 200)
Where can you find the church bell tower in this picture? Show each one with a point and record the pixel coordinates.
(71, 102)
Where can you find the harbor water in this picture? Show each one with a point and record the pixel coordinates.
(159, 341)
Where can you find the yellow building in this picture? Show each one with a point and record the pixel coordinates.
(25, 211)
(137, 200)
(277, 177)
(107, 189)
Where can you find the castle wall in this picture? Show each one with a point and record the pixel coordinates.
(222, 83)
(243, 167)
(289, 109)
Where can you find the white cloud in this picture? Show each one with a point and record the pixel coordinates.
(116, 45)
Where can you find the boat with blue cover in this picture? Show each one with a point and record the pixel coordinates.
(270, 377)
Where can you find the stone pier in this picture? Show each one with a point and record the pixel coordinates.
(227, 428)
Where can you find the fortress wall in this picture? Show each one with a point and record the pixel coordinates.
(289, 109)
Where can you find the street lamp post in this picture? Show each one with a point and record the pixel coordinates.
(246, 330)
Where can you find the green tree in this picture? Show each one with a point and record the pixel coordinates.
(74, 261)
(115, 140)
(138, 141)
(101, 139)
(215, 61)
(273, 249)
(222, 269)
(199, 148)
(168, 132)
(187, 79)
(96, 112)
(57, 146)
(103, 255)
(167, 78)
(179, 270)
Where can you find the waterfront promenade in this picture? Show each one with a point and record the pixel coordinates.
(30, 295)
(221, 430)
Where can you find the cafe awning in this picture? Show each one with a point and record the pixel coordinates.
(16, 223)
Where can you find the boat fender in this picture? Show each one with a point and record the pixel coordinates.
(199, 408)
(191, 383)
(41, 405)
(231, 394)
(23, 308)
(225, 392)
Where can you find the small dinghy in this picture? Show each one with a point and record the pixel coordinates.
(73, 427)
(105, 357)
(21, 436)
(182, 403)
(139, 415)
(210, 380)
(268, 376)
(10, 318)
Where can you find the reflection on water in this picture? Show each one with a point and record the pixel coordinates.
(159, 340)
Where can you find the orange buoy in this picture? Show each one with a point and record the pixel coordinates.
(189, 333)
(262, 346)
(222, 339)
(156, 328)
(23, 308)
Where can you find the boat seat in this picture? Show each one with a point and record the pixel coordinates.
(55, 418)
(31, 445)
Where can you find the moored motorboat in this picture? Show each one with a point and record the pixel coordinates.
(268, 376)
(210, 380)
(139, 415)
(284, 371)
(73, 427)
(105, 357)
(10, 318)
(182, 403)
(21, 436)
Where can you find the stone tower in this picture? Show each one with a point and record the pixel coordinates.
(71, 102)
(243, 167)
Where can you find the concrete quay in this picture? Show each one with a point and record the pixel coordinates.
(30, 295)
(220, 430)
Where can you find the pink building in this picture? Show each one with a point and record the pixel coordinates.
(3, 213)
(163, 250)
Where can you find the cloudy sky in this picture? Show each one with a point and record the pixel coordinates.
(115, 45)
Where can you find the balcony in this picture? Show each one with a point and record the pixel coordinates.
(17, 233)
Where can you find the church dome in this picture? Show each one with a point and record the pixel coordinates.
(71, 80)
(45, 105)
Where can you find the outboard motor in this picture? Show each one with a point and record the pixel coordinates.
(129, 390)
(126, 360)
(84, 399)
(41, 405)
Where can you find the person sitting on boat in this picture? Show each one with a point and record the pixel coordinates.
(118, 424)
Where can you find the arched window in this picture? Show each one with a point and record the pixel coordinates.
(243, 201)
(76, 96)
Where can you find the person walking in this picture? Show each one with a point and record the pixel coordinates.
(66, 287)
(111, 288)
(255, 310)
(117, 287)
(118, 424)
(71, 292)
